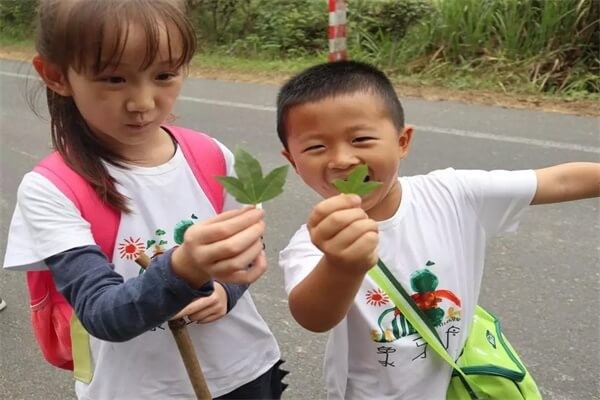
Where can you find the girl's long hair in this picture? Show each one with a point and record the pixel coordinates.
(78, 34)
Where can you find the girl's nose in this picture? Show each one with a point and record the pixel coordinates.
(140, 101)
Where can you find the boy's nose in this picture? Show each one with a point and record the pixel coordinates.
(343, 159)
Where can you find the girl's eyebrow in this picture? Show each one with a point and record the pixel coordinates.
(114, 65)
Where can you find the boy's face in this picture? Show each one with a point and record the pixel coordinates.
(328, 138)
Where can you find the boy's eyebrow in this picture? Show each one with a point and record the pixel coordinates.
(315, 135)
(357, 127)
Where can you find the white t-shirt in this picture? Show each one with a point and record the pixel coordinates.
(434, 245)
(232, 351)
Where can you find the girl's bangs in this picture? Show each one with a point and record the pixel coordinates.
(96, 39)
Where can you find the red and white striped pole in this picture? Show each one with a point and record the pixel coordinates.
(337, 30)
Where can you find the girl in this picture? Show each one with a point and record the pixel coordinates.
(113, 70)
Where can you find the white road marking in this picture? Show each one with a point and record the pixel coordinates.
(548, 144)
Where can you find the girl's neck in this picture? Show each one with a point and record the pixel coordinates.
(156, 151)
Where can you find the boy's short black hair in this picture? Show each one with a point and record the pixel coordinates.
(333, 79)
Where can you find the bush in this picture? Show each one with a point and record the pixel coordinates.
(16, 18)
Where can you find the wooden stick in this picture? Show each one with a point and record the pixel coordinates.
(179, 330)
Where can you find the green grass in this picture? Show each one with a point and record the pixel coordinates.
(11, 43)
(508, 78)
(275, 66)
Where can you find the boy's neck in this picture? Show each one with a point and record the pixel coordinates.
(387, 206)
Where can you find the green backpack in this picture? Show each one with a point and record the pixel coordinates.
(488, 367)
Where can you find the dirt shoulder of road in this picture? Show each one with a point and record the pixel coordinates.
(548, 104)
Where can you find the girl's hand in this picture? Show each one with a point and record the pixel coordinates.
(206, 309)
(223, 247)
(344, 233)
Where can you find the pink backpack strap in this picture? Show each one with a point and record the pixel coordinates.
(104, 219)
(50, 312)
(206, 160)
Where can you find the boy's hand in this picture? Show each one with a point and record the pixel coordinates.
(206, 309)
(223, 247)
(344, 233)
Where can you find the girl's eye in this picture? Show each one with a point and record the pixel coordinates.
(165, 76)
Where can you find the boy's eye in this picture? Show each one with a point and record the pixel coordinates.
(313, 148)
(363, 139)
(112, 79)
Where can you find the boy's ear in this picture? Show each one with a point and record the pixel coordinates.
(288, 156)
(52, 76)
(404, 140)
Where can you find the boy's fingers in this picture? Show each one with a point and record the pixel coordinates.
(330, 205)
(336, 222)
(355, 231)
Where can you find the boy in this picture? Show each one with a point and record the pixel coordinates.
(429, 230)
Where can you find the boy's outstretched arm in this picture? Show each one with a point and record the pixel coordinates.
(348, 239)
(566, 182)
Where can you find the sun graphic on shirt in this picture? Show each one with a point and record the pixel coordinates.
(377, 297)
(131, 248)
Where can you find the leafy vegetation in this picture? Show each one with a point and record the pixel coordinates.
(525, 46)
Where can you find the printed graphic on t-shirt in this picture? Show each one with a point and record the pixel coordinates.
(442, 307)
(130, 248)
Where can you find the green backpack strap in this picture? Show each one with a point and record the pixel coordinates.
(401, 299)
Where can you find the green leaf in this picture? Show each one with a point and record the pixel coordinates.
(272, 185)
(235, 188)
(248, 170)
(355, 182)
(250, 187)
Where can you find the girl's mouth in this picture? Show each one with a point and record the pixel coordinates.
(138, 126)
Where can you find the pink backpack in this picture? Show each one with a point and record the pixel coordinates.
(50, 312)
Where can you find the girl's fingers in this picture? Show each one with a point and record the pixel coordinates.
(201, 316)
(221, 228)
(195, 306)
(210, 318)
(239, 262)
(239, 243)
(232, 246)
(251, 271)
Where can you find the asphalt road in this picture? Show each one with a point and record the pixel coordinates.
(542, 282)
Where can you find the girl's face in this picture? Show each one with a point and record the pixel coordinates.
(124, 105)
(330, 137)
